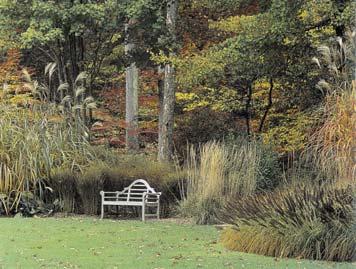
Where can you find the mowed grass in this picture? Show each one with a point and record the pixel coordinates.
(91, 243)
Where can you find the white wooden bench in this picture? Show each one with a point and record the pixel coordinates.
(139, 193)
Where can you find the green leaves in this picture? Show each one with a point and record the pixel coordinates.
(42, 23)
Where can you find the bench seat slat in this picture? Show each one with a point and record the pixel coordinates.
(123, 203)
(114, 197)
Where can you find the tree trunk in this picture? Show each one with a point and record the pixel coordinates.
(73, 57)
(340, 28)
(132, 143)
(248, 109)
(268, 107)
(165, 139)
(160, 72)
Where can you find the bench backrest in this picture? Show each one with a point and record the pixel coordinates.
(134, 192)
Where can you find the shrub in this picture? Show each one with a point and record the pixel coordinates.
(200, 126)
(161, 176)
(312, 222)
(89, 184)
(64, 183)
(79, 190)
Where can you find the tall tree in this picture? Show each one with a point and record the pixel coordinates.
(166, 125)
(132, 142)
(76, 35)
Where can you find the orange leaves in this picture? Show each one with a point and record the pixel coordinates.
(10, 70)
(12, 81)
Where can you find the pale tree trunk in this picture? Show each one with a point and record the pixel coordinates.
(160, 99)
(165, 139)
(353, 172)
(132, 143)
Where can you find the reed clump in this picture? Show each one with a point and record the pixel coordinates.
(34, 143)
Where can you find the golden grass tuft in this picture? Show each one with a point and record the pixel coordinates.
(215, 172)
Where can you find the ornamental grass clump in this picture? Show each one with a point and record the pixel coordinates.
(32, 145)
(305, 221)
(216, 171)
(332, 146)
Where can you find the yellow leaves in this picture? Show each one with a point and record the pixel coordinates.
(22, 100)
(291, 133)
(160, 58)
(180, 96)
(217, 99)
(231, 24)
(287, 41)
(14, 87)
(195, 69)
(55, 119)
(234, 24)
(303, 15)
(314, 12)
(190, 101)
(261, 89)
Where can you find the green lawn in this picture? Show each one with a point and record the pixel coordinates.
(90, 243)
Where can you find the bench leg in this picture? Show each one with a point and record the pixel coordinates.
(102, 211)
(143, 212)
(158, 209)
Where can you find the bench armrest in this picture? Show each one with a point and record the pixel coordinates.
(110, 194)
(156, 194)
(107, 192)
(152, 196)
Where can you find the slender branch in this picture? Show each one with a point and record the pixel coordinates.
(322, 23)
(53, 58)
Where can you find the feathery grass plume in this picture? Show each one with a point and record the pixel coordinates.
(63, 87)
(81, 78)
(50, 69)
